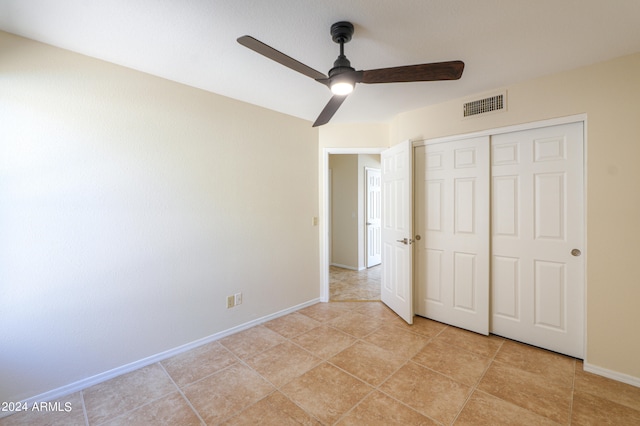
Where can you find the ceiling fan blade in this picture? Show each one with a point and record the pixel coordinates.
(281, 58)
(451, 70)
(329, 110)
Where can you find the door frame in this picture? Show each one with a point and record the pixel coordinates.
(324, 211)
(367, 170)
(577, 118)
(324, 253)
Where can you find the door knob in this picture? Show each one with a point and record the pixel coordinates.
(405, 241)
(576, 252)
(418, 237)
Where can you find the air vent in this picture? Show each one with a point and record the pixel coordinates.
(483, 106)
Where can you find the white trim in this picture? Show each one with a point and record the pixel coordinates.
(324, 220)
(614, 375)
(328, 151)
(366, 215)
(351, 268)
(107, 375)
(507, 129)
(585, 182)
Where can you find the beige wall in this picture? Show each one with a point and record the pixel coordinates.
(344, 210)
(131, 207)
(358, 135)
(608, 94)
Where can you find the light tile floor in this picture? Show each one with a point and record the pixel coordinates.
(353, 363)
(349, 285)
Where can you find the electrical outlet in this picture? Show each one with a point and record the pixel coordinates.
(231, 301)
(238, 299)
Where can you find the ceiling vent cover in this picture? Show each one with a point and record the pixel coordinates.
(483, 106)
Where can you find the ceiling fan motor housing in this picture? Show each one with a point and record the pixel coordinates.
(341, 65)
(341, 32)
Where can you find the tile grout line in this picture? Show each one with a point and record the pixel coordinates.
(326, 360)
(142, 405)
(402, 366)
(184, 397)
(84, 408)
(475, 386)
(373, 388)
(209, 375)
(346, 413)
(377, 388)
(573, 390)
(402, 402)
(134, 409)
(275, 388)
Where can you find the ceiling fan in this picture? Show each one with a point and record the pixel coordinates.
(342, 77)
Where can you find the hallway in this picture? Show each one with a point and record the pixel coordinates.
(346, 285)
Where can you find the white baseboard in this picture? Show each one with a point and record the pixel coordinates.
(338, 265)
(107, 375)
(610, 374)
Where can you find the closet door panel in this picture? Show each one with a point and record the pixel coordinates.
(452, 219)
(537, 222)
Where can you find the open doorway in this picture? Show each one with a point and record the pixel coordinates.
(353, 227)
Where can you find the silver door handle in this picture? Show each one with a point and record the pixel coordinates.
(368, 223)
(575, 252)
(405, 241)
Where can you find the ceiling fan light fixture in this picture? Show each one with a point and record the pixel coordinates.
(341, 88)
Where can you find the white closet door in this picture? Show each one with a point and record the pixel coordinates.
(538, 237)
(452, 219)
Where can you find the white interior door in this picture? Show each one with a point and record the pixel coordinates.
(452, 220)
(538, 237)
(397, 285)
(373, 214)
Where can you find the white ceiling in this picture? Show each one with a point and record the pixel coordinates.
(194, 42)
